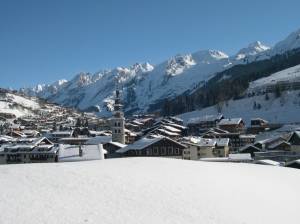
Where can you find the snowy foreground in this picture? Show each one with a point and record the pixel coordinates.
(148, 190)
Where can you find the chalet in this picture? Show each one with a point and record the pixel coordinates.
(206, 148)
(233, 125)
(237, 140)
(130, 136)
(258, 125)
(201, 124)
(170, 130)
(259, 122)
(275, 143)
(41, 150)
(158, 146)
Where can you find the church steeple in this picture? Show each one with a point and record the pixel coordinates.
(118, 103)
(118, 120)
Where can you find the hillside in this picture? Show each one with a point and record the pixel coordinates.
(283, 109)
(148, 190)
(18, 105)
(275, 98)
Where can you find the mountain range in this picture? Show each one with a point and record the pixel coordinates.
(145, 87)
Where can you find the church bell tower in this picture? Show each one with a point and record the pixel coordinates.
(118, 120)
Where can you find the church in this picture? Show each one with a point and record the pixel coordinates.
(118, 121)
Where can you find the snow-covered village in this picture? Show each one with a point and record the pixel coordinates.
(89, 135)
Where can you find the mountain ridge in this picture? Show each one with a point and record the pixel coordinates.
(145, 84)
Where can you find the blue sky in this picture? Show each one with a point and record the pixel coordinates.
(42, 41)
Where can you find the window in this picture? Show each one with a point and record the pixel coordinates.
(119, 131)
(176, 151)
(115, 130)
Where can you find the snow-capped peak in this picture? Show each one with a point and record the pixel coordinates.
(178, 64)
(251, 50)
(141, 68)
(289, 43)
(209, 56)
(81, 79)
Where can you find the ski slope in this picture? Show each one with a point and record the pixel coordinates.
(148, 190)
(17, 105)
(285, 109)
(288, 75)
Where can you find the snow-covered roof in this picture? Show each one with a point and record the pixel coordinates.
(277, 143)
(259, 119)
(230, 121)
(170, 128)
(177, 126)
(118, 144)
(169, 133)
(242, 149)
(99, 140)
(206, 118)
(203, 142)
(140, 144)
(70, 153)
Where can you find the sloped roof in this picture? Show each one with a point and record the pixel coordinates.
(99, 140)
(244, 148)
(230, 121)
(145, 142)
(206, 118)
(140, 144)
(294, 133)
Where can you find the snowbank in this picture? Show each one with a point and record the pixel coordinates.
(148, 190)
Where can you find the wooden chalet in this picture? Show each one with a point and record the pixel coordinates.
(233, 125)
(158, 146)
(202, 124)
